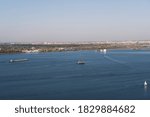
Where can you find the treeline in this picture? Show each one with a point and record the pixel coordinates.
(18, 48)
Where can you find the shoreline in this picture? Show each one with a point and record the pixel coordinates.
(30, 48)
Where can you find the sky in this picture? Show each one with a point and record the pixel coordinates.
(74, 20)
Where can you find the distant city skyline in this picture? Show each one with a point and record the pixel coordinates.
(74, 20)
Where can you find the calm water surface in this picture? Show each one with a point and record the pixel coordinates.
(120, 74)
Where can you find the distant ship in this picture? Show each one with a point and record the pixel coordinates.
(103, 51)
(17, 60)
(80, 62)
(145, 83)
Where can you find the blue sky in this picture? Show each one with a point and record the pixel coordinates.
(74, 20)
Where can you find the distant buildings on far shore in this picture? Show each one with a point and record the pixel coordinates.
(98, 42)
(32, 50)
(82, 42)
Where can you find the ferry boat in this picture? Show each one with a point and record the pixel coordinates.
(80, 62)
(17, 60)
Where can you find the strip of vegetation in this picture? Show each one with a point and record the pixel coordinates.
(20, 48)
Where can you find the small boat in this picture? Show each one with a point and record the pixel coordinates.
(80, 62)
(145, 83)
(17, 60)
(103, 51)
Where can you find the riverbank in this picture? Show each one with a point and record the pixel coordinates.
(29, 48)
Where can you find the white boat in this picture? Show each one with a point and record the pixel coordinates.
(101, 50)
(104, 51)
(17, 60)
(80, 62)
(145, 83)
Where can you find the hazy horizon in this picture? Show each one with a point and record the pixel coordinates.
(74, 21)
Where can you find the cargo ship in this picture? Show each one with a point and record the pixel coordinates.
(17, 60)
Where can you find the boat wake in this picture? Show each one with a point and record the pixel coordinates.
(118, 62)
(114, 60)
